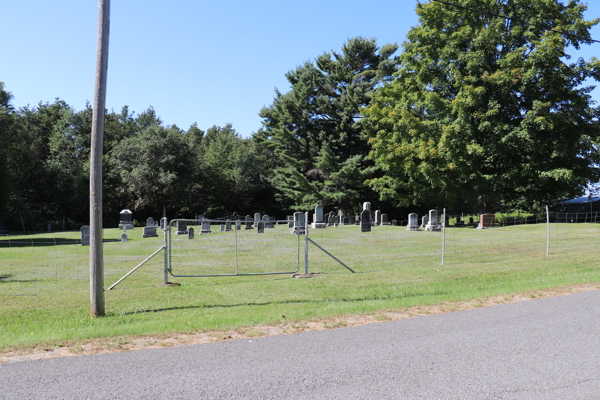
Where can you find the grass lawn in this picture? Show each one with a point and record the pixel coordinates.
(44, 293)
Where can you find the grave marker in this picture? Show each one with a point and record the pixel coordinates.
(319, 220)
(365, 221)
(84, 233)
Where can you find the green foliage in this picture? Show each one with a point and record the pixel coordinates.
(230, 173)
(487, 112)
(154, 167)
(313, 130)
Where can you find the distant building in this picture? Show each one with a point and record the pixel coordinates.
(580, 205)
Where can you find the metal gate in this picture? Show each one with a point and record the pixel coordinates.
(231, 248)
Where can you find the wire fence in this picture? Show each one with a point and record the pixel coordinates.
(44, 262)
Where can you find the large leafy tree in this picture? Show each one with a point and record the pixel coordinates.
(156, 168)
(230, 174)
(486, 111)
(314, 131)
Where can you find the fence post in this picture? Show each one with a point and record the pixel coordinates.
(306, 250)
(547, 231)
(443, 235)
(167, 251)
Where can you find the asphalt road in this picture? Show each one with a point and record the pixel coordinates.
(539, 349)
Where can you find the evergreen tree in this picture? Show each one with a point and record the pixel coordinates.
(314, 130)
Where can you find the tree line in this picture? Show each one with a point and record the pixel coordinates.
(477, 112)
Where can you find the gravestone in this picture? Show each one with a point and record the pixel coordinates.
(487, 221)
(357, 220)
(150, 222)
(384, 219)
(319, 220)
(124, 236)
(190, 233)
(350, 220)
(248, 222)
(377, 221)
(238, 225)
(269, 224)
(260, 227)
(181, 228)
(367, 206)
(199, 217)
(290, 219)
(365, 221)
(331, 220)
(424, 221)
(222, 228)
(126, 220)
(413, 222)
(299, 223)
(228, 226)
(149, 231)
(256, 219)
(205, 227)
(84, 233)
(434, 221)
(3, 230)
(394, 222)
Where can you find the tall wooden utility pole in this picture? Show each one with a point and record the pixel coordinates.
(96, 252)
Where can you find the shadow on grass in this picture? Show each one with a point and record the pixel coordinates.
(268, 303)
(7, 279)
(42, 242)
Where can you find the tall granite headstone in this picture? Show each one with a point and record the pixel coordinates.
(413, 222)
(319, 222)
(126, 219)
(365, 221)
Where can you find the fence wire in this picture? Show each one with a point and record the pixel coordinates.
(39, 263)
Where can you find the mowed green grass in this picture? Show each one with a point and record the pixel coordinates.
(44, 289)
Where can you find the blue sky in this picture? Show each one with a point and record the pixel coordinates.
(194, 61)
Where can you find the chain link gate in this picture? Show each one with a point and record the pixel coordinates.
(210, 248)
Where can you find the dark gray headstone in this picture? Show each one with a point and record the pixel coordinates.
(228, 226)
(384, 219)
(365, 221)
(190, 233)
(181, 228)
(149, 231)
(249, 222)
(299, 223)
(126, 219)
(238, 225)
(205, 227)
(222, 228)
(260, 227)
(84, 233)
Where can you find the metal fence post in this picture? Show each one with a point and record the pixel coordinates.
(443, 235)
(547, 231)
(167, 251)
(306, 251)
